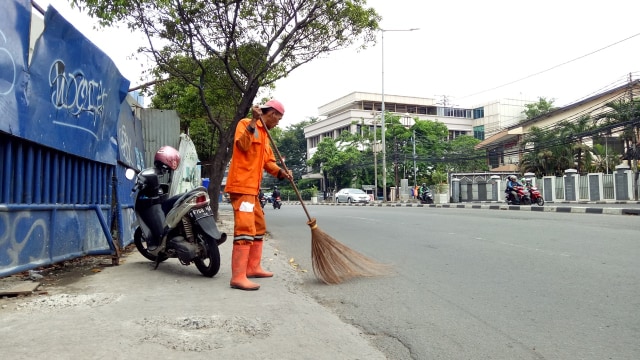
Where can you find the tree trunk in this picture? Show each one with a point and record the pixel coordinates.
(218, 167)
(225, 149)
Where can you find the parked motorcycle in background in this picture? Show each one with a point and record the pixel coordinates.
(179, 227)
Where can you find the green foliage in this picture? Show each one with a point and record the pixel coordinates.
(605, 160)
(339, 165)
(552, 151)
(439, 177)
(464, 157)
(542, 107)
(293, 145)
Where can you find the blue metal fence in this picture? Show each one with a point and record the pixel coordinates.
(66, 136)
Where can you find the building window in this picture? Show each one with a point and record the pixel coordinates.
(313, 141)
(455, 133)
(478, 113)
(478, 132)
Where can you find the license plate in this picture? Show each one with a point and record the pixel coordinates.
(199, 213)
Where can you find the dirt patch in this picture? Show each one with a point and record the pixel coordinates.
(62, 274)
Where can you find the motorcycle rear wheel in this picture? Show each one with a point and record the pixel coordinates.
(209, 265)
(141, 245)
(540, 201)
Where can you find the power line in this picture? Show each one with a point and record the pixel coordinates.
(553, 67)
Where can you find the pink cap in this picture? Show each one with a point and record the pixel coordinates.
(275, 104)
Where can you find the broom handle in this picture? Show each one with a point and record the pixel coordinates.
(295, 188)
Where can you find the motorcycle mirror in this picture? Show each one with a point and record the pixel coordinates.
(130, 173)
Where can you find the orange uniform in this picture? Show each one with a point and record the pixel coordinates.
(251, 155)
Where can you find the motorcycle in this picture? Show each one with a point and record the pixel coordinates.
(276, 202)
(522, 196)
(426, 197)
(535, 196)
(183, 225)
(263, 201)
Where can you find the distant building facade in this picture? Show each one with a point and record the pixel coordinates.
(357, 109)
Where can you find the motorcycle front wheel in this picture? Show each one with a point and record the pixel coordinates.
(141, 245)
(209, 265)
(540, 201)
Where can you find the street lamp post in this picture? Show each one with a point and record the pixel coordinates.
(375, 160)
(384, 148)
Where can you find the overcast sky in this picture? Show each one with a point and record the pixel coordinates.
(467, 50)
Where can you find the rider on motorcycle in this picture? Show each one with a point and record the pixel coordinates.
(512, 181)
(422, 190)
(276, 193)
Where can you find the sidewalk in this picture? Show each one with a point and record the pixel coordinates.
(131, 311)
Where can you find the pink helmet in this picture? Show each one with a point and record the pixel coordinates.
(274, 104)
(167, 157)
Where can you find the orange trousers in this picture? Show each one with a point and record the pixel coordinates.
(248, 217)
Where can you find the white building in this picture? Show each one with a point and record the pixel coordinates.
(350, 112)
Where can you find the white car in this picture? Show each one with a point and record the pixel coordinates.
(351, 195)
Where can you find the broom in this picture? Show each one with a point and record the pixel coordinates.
(332, 261)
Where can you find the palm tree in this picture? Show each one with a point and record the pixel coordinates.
(626, 112)
(574, 132)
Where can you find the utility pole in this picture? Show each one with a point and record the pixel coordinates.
(375, 159)
(395, 160)
(415, 179)
(634, 152)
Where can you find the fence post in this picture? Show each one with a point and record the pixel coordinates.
(455, 190)
(571, 185)
(495, 188)
(623, 182)
(595, 187)
(549, 188)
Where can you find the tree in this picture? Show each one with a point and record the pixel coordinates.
(338, 165)
(256, 42)
(291, 142)
(626, 113)
(542, 107)
(464, 157)
(539, 159)
(605, 160)
(176, 94)
(574, 132)
(431, 147)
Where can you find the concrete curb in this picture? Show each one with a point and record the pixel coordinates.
(566, 208)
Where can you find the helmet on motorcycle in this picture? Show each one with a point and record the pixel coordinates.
(275, 187)
(512, 177)
(167, 157)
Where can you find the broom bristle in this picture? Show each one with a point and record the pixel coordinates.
(334, 262)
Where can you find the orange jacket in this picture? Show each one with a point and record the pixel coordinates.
(251, 154)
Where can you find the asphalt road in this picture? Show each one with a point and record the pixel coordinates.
(481, 284)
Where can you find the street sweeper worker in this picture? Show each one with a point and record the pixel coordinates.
(252, 154)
